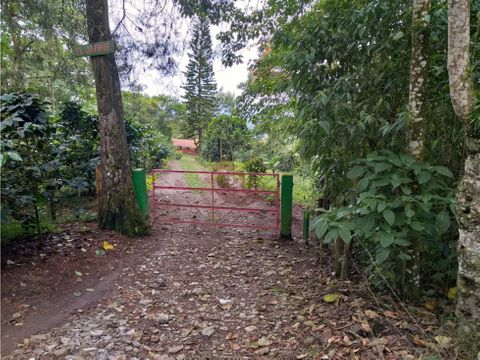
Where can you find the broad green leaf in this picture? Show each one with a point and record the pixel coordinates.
(367, 223)
(401, 241)
(404, 256)
(442, 222)
(321, 229)
(363, 184)
(345, 234)
(332, 235)
(382, 166)
(443, 170)
(389, 216)
(453, 208)
(381, 206)
(407, 160)
(409, 212)
(418, 226)
(395, 181)
(382, 255)
(424, 177)
(395, 160)
(355, 172)
(386, 239)
(426, 197)
(325, 125)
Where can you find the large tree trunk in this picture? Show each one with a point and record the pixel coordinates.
(417, 102)
(468, 196)
(118, 208)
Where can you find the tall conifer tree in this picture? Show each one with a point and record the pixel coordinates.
(200, 87)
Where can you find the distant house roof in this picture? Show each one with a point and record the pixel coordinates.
(184, 143)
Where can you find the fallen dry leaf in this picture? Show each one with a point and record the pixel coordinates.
(107, 245)
(333, 297)
(372, 314)
(390, 314)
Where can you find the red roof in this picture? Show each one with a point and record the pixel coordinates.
(184, 143)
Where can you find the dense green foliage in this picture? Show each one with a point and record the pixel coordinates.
(225, 135)
(37, 39)
(333, 81)
(147, 123)
(27, 161)
(395, 199)
(76, 142)
(48, 158)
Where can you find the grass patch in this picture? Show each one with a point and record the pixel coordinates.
(14, 230)
(189, 162)
(69, 209)
(303, 190)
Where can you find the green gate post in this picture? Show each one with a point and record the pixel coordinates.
(140, 187)
(286, 187)
(306, 225)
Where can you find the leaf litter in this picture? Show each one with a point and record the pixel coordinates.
(254, 297)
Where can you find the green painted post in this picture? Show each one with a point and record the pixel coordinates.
(140, 187)
(286, 187)
(306, 225)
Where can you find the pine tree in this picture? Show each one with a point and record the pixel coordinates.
(200, 87)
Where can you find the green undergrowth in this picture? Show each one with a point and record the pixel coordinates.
(303, 190)
(70, 209)
(223, 165)
(14, 230)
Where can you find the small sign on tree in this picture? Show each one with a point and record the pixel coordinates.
(95, 49)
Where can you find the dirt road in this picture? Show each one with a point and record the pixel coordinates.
(188, 292)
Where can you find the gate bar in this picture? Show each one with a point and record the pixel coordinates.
(173, 221)
(215, 189)
(218, 207)
(214, 172)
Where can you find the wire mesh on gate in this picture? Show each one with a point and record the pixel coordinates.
(233, 199)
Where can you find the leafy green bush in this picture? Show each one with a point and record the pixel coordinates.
(27, 160)
(148, 147)
(177, 155)
(254, 165)
(398, 200)
(77, 147)
(222, 181)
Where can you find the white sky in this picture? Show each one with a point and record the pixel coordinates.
(228, 78)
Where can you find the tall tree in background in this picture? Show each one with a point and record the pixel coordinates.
(118, 208)
(417, 108)
(468, 198)
(200, 87)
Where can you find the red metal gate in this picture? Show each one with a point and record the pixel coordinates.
(214, 196)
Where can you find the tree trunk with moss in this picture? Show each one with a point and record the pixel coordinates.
(117, 206)
(468, 196)
(417, 107)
